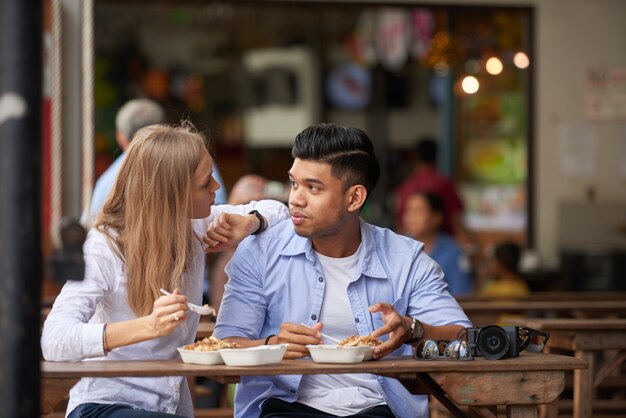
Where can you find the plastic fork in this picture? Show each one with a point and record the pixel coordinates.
(202, 310)
(336, 341)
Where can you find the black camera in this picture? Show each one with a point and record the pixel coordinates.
(494, 342)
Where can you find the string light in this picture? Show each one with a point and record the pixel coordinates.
(494, 66)
(470, 84)
(521, 60)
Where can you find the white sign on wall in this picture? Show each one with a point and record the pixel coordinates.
(605, 93)
(578, 150)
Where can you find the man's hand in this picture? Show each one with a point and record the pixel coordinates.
(297, 336)
(395, 326)
(227, 230)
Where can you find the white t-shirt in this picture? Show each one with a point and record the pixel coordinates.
(339, 394)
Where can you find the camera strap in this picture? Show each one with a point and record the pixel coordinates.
(530, 337)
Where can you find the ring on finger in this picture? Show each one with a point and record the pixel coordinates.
(176, 318)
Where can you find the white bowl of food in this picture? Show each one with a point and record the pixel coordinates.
(200, 357)
(331, 353)
(254, 356)
(362, 341)
(205, 351)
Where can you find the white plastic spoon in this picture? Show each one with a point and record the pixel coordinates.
(336, 341)
(202, 310)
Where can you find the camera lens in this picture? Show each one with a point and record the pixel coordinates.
(493, 342)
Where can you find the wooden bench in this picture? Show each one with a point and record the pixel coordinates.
(585, 338)
(482, 312)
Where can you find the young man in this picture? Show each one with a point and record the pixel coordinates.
(328, 268)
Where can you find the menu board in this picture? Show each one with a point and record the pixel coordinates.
(492, 159)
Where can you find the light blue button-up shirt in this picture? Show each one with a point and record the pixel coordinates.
(275, 277)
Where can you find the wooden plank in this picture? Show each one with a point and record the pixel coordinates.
(550, 410)
(583, 386)
(555, 296)
(569, 324)
(609, 367)
(483, 412)
(591, 306)
(488, 388)
(53, 391)
(520, 411)
(392, 366)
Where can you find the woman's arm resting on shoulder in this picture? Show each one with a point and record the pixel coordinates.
(231, 224)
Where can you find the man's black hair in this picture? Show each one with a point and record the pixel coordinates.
(427, 150)
(508, 254)
(349, 151)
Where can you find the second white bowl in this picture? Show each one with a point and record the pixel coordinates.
(254, 356)
(326, 353)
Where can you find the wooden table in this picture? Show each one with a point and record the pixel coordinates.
(520, 383)
(585, 337)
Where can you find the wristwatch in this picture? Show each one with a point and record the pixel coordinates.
(416, 332)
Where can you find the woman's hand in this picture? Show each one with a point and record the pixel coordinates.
(395, 326)
(228, 230)
(168, 313)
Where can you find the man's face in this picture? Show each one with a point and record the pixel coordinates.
(317, 201)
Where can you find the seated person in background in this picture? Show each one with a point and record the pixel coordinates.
(422, 220)
(501, 274)
(132, 116)
(329, 269)
(148, 236)
(427, 178)
(248, 188)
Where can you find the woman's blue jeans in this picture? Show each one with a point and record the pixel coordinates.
(99, 410)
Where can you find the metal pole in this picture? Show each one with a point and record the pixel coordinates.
(20, 243)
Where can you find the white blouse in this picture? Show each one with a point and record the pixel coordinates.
(73, 329)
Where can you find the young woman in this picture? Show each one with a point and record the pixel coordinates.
(148, 236)
(422, 220)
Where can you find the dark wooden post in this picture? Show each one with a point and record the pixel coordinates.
(20, 242)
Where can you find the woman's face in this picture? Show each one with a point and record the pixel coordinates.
(203, 188)
(419, 219)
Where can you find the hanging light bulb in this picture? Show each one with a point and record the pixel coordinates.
(494, 66)
(470, 84)
(521, 60)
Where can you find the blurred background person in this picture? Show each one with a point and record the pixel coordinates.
(500, 278)
(132, 116)
(248, 188)
(423, 219)
(427, 178)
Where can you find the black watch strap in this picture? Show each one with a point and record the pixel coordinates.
(262, 221)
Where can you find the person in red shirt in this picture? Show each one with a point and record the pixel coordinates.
(427, 178)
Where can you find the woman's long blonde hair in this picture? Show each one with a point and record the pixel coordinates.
(146, 214)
